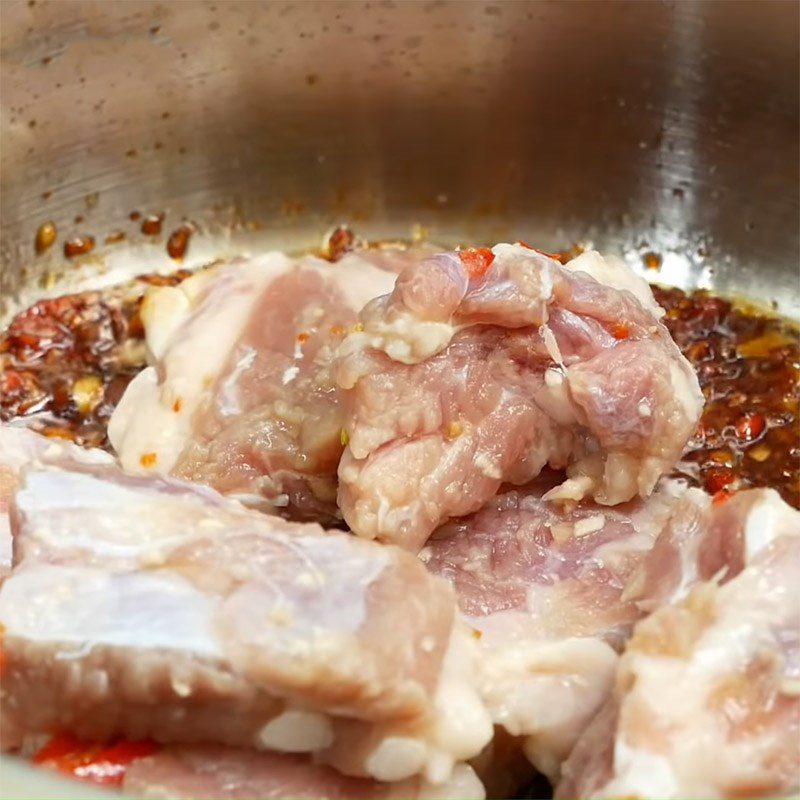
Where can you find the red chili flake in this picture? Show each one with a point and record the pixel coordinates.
(337, 330)
(652, 260)
(11, 381)
(477, 260)
(151, 224)
(134, 216)
(722, 496)
(26, 340)
(58, 747)
(620, 330)
(750, 426)
(177, 405)
(302, 338)
(147, 459)
(340, 240)
(178, 242)
(717, 479)
(98, 763)
(78, 246)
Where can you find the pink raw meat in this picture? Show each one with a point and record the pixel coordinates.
(462, 381)
(141, 607)
(707, 694)
(544, 589)
(221, 773)
(239, 394)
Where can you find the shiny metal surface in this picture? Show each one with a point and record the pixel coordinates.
(638, 126)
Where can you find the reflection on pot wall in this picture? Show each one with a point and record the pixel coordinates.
(639, 126)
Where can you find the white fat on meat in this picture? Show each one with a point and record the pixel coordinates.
(20, 448)
(542, 588)
(460, 727)
(144, 607)
(613, 271)
(238, 394)
(706, 700)
(459, 382)
(545, 691)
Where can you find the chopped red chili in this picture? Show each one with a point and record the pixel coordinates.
(151, 224)
(718, 479)
(721, 496)
(78, 246)
(178, 242)
(340, 240)
(104, 764)
(477, 260)
(750, 426)
(620, 330)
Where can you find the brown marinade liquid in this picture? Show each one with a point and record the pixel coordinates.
(748, 364)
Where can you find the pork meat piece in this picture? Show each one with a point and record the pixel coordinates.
(710, 541)
(239, 396)
(141, 607)
(20, 447)
(543, 587)
(212, 772)
(707, 694)
(483, 367)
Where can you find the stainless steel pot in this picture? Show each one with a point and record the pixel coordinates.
(654, 126)
(669, 127)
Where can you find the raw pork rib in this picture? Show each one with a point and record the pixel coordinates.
(239, 396)
(20, 447)
(484, 366)
(147, 608)
(219, 773)
(707, 696)
(543, 587)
